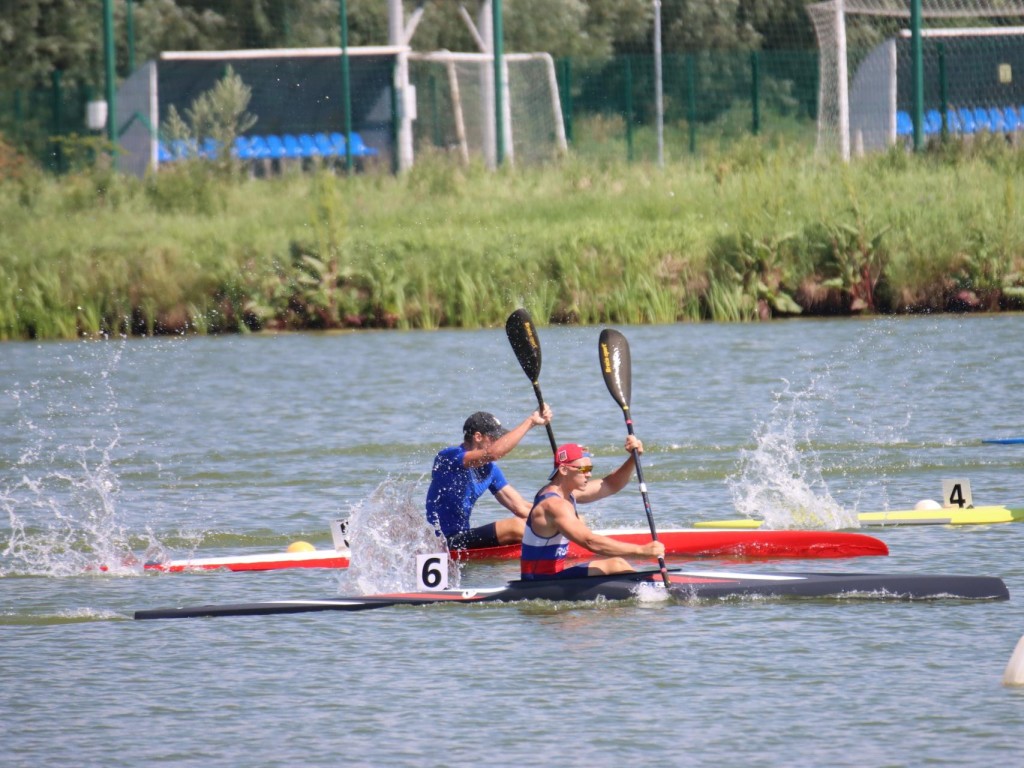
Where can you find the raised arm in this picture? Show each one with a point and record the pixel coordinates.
(612, 483)
(477, 457)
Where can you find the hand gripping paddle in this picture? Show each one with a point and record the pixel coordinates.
(523, 338)
(613, 350)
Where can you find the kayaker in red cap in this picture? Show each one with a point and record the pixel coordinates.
(462, 473)
(553, 521)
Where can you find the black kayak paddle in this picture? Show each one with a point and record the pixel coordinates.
(613, 351)
(523, 337)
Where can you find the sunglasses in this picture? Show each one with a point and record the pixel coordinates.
(582, 470)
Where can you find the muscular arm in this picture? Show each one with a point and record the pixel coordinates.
(560, 513)
(508, 441)
(614, 482)
(510, 498)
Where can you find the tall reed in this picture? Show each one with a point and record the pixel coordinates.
(754, 232)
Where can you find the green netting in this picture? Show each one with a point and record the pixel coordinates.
(291, 94)
(32, 119)
(970, 71)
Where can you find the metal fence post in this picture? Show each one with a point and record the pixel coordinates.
(691, 100)
(755, 92)
(565, 90)
(629, 109)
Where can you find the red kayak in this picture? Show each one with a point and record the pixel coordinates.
(680, 542)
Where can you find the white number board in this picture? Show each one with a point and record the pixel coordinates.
(957, 493)
(432, 572)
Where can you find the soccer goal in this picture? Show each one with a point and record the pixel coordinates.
(455, 105)
(972, 59)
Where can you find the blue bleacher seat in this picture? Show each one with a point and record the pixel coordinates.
(1011, 119)
(308, 146)
(981, 119)
(932, 122)
(182, 149)
(275, 147)
(967, 124)
(163, 154)
(953, 121)
(359, 149)
(258, 147)
(291, 146)
(338, 140)
(243, 149)
(323, 143)
(209, 149)
(904, 125)
(997, 121)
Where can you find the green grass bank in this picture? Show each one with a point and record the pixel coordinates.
(756, 232)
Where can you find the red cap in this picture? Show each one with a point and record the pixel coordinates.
(567, 453)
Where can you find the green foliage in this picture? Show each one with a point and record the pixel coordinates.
(184, 187)
(218, 114)
(174, 127)
(755, 270)
(853, 261)
(734, 238)
(38, 36)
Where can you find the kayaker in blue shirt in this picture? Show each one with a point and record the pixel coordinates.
(553, 521)
(462, 473)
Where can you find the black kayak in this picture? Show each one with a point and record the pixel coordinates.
(683, 586)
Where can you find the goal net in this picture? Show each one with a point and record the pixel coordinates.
(972, 58)
(455, 105)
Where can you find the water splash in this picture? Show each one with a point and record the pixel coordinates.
(386, 532)
(62, 509)
(780, 480)
(651, 593)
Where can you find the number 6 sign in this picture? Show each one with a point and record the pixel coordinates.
(432, 572)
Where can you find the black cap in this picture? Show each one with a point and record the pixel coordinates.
(484, 423)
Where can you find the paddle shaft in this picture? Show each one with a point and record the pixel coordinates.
(643, 493)
(540, 402)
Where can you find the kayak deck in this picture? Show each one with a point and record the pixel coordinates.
(684, 542)
(684, 586)
(988, 515)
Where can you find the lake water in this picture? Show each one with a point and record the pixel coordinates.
(211, 446)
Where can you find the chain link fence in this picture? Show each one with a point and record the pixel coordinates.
(711, 99)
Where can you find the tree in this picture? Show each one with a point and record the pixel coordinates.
(40, 36)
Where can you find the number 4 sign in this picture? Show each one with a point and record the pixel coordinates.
(432, 572)
(957, 493)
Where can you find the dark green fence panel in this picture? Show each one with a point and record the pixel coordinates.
(710, 98)
(33, 120)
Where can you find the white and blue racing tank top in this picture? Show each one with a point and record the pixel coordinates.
(543, 556)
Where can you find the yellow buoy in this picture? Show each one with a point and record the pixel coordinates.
(301, 546)
(1014, 674)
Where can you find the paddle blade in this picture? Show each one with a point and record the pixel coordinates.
(524, 341)
(613, 350)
